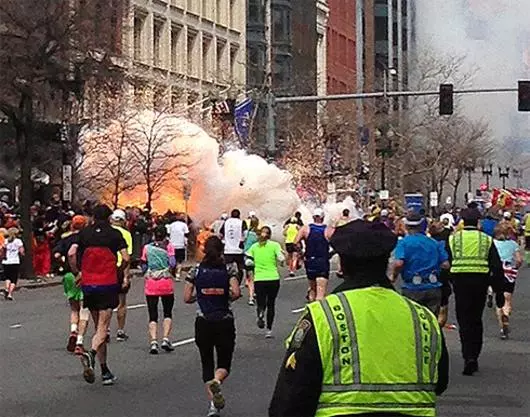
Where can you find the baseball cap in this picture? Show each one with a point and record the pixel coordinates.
(318, 212)
(413, 219)
(118, 215)
(507, 215)
(384, 213)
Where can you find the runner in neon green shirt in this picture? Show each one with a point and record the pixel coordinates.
(266, 255)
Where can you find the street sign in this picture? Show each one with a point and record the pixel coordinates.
(67, 183)
(433, 198)
(448, 201)
(384, 195)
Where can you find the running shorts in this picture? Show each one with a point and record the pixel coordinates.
(317, 268)
(71, 290)
(291, 248)
(97, 301)
(180, 255)
(12, 272)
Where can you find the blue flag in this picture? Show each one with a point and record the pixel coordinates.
(242, 119)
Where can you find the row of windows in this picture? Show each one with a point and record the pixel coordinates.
(224, 12)
(341, 49)
(182, 49)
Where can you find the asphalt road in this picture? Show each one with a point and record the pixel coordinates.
(39, 378)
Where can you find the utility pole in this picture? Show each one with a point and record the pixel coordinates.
(271, 127)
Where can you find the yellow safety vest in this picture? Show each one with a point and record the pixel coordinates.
(379, 351)
(470, 251)
(527, 225)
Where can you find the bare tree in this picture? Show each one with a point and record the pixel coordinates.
(48, 51)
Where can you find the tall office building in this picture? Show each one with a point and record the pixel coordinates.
(186, 49)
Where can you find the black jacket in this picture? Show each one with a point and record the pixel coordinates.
(298, 390)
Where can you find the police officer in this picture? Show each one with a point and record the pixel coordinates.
(475, 264)
(364, 350)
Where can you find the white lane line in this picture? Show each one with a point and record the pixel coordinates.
(133, 307)
(184, 342)
(15, 326)
(298, 310)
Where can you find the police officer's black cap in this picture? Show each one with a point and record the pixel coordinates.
(363, 240)
(470, 215)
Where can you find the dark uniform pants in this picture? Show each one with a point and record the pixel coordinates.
(470, 299)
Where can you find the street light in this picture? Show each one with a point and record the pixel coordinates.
(487, 172)
(504, 175)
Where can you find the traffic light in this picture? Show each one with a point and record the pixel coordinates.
(446, 99)
(524, 95)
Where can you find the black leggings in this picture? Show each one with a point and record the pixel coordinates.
(266, 293)
(220, 335)
(167, 305)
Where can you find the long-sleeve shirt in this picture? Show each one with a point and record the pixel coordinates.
(298, 390)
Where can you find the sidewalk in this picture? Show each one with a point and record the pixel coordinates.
(56, 280)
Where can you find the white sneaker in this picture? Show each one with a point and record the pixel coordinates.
(268, 335)
(213, 412)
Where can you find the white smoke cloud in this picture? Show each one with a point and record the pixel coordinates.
(494, 35)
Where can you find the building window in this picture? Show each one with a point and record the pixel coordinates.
(234, 49)
(192, 54)
(158, 32)
(281, 25)
(139, 27)
(255, 12)
(255, 65)
(206, 46)
(176, 32)
(220, 58)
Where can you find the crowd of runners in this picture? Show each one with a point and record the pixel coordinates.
(98, 251)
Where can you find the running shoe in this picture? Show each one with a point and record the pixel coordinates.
(9, 297)
(268, 335)
(213, 412)
(218, 399)
(177, 277)
(154, 348)
(108, 378)
(79, 350)
(167, 346)
(489, 301)
(291, 274)
(88, 359)
(121, 336)
(70, 347)
(504, 334)
(251, 301)
(261, 322)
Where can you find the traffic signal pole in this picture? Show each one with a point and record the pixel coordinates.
(272, 101)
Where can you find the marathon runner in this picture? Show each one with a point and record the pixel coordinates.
(250, 239)
(233, 233)
(290, 232)
(316, 236)
(94, 259)
(266, 255)
(213, 286)
(158, 258)
(78, 314)
(118, 221)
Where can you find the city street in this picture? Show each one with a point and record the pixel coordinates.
(39, 378)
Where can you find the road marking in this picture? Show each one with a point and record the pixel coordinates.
(184, 342)
(298, 310)
(15, 326)
(133, 307)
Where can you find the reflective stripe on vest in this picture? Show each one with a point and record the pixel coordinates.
(354, 380)
(470, 252)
